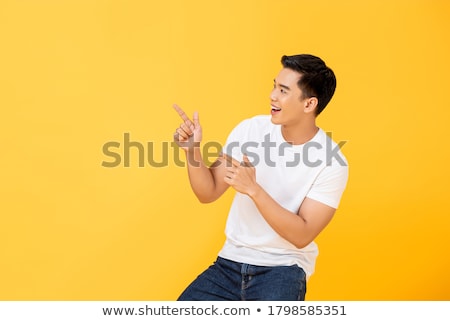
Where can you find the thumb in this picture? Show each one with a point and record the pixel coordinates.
(196, 119)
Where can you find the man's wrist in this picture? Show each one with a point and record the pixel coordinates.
(194, 155)
(192, 149)
(255, 192)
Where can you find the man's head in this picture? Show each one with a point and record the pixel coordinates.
(317, 80)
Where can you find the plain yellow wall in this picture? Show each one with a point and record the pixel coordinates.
(76, 74)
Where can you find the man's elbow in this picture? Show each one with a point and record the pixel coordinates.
(301, 243)
(210, 196)
(205, 199)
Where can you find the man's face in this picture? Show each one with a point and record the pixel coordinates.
(286, 99)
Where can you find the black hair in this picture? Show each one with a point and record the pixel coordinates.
(317, 79)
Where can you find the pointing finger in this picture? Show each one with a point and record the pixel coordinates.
(181, 113)
(231, 160)
(246, 162)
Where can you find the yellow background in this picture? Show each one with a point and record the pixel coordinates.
(76, 74)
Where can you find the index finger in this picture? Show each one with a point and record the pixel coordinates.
(230, 159)
(181, 113)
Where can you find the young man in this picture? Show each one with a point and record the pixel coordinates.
(289, 177)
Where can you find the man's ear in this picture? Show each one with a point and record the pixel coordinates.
(310, 105)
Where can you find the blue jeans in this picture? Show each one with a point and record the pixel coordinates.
(227, 280)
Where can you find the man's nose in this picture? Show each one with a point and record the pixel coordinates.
(273, 94)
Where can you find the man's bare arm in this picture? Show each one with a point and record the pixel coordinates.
(300, 228)
(206, 182)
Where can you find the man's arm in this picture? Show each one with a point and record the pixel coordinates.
(299, 228)
(207, 183)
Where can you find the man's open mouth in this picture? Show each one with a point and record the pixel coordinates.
(275, 109)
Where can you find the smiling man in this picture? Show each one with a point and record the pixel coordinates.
(281, 204)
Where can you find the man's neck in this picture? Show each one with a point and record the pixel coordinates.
(299, 133)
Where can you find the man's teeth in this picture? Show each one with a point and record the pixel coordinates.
(276, 109)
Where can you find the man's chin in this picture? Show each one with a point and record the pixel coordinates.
(275, 120)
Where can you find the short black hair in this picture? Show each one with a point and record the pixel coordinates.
(317, 79)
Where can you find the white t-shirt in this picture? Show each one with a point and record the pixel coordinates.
(289, 173)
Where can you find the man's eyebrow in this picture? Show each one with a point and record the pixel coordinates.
(281, 85)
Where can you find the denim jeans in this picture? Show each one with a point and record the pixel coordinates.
(227, 280)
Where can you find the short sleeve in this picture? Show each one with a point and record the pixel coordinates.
(236, 139)
(330, 184)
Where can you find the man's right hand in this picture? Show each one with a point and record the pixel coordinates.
(189, 134)
(207, 183)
